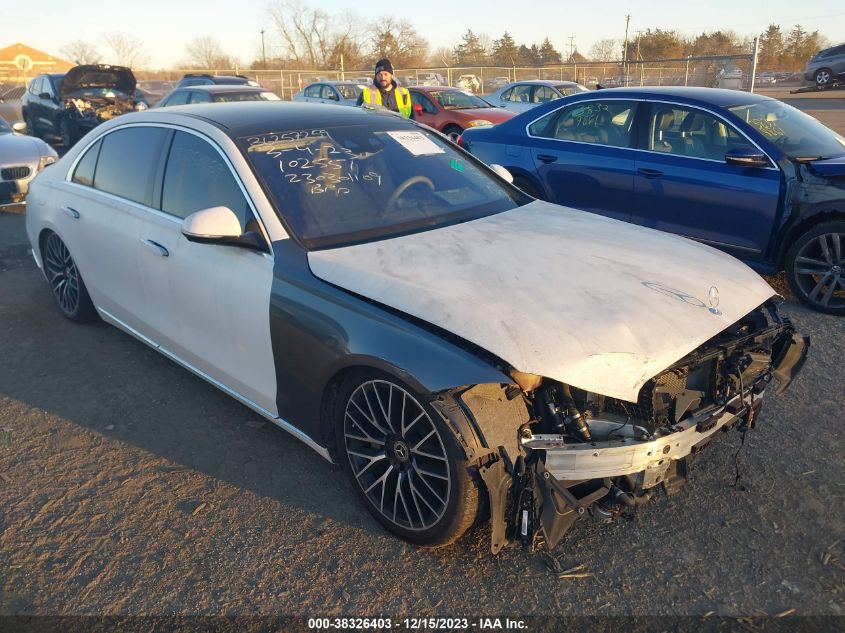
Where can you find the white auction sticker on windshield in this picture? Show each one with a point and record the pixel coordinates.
(416, 143)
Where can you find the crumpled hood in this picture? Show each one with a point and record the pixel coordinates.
(590, 301)
(830, 166)
(98, 76)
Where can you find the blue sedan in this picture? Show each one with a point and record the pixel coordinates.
(742, 172)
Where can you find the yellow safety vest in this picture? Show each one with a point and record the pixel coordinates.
(372, 96)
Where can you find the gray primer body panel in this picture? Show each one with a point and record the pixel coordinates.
(317, 330)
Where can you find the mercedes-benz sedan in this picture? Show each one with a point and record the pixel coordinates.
(405, 311)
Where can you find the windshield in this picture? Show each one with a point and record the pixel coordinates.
(245, 96)
(349, 92)
(458, 100)
(379, 179)
(799, 135)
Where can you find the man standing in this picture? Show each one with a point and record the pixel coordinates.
(386, 92)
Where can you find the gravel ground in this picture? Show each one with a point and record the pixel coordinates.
(129, 486)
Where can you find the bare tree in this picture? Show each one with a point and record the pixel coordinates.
(400, 42)
(81, 52)
(606, 50)
(127, 50)
(441, 56)
(314, 39)
(206, 52)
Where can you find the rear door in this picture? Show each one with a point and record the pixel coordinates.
(312, 93)
(583, 155)
(683, 184)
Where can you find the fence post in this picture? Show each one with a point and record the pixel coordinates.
(754, 64)
(686, 74)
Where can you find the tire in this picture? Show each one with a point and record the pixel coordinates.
(30, 127)
(823, 78)
(453, 132)
(404, 462)
(527, 186)
(67, 133)
(66, 283)
(815, 267)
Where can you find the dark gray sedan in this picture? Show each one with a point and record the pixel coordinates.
(406, 312)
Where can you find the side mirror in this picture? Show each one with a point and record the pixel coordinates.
(45, 95)
(418, 108)
(746, 156)
(502, 172)
(19, 127)
(220, 225)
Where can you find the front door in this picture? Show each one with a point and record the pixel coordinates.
(211, 303)
(683, 184)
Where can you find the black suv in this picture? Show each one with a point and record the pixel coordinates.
(68, 105)
(204, 79)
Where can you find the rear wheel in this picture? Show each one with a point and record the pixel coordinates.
(815, 268)
(404, 462)
(823, 77)
(69, 290)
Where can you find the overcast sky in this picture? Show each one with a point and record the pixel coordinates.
(166, 26)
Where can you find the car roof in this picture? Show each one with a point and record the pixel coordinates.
(547, 82)
(220, 88)
(721, 97)
(244, 118)
(338, 82)
(435, 88)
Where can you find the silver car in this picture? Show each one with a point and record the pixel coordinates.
(21, 158)
(331, 92)
(826, 67)
(524, 95)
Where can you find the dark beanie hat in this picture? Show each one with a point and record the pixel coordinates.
(384, 64)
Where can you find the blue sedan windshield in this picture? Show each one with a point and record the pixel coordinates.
(352, 183)
(799, 135)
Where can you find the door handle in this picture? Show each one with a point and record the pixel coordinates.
(546, 158)
(156, 248)
(649, 173)
(71, 212)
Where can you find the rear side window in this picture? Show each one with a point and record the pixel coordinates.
(598, 122)
(84, 172)
(196, 178)
(127, 163)
(521, 93)
(313, 91)
(178, 98)
(200, 97)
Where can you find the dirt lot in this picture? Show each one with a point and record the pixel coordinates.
(129, 486)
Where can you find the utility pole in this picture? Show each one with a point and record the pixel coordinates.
(571, 45)
(625, 51)
(640, 57)
(263, 51)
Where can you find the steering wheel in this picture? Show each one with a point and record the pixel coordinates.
(404, 186)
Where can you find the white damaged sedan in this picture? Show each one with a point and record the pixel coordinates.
(406, 312)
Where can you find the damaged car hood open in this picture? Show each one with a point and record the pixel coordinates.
(97, 76)
(590, 301)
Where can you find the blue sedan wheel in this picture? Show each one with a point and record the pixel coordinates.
(815, 268)
(404, 461)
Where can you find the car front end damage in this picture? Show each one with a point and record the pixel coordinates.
(555, 453)
(93, 94)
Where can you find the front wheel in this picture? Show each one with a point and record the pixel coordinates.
(452, 132)
(527, 187)
(822, 78)
(815, 268)
(404, 462)
(69, 290)
(67, 132)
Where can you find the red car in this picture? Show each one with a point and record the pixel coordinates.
(452, 110)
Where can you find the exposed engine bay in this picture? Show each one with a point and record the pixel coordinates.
(583, 454)
(92, 111)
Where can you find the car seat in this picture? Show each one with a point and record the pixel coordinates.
(691, 130)
(663, 121)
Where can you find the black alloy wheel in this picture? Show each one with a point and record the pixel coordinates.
(65, 281)
(404, 462)
(66, 132)
(815, 268)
